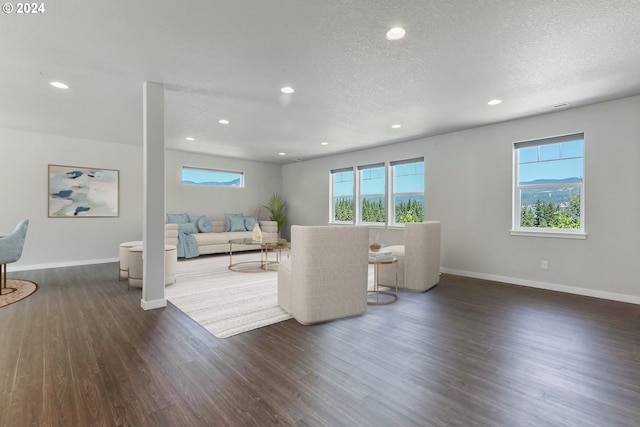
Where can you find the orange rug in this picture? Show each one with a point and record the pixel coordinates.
(23, 288)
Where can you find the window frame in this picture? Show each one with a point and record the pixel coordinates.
(392, 193)
(213, 171)
(357, 196)
(360, 195)
(334, 197)
(517, 229)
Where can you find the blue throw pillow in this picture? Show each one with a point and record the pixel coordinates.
(202, 223)
(227, 221)
(188, 228)
(250, 222)
(178, 218)
(237, 223)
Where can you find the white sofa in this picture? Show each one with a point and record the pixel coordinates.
(217, 240)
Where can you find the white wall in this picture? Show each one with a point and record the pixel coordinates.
(261, 181)
(54, 242)
(65, 241)
(469, 188)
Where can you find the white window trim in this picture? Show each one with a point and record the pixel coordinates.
(332, 208)
(359, 195)
(391, 223)
(241, 176)
(562, 233)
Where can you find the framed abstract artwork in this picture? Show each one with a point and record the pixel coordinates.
(76, 192)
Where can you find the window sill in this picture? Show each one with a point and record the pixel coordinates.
(552, 234)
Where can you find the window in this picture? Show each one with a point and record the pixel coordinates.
(212, 177)
(342, 191)
(407, 183)
(549, 187)
(372, 200)
(389, 193)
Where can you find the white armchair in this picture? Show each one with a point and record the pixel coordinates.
(326, 276)
(418, 259)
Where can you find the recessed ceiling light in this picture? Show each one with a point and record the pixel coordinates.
(287, 90)
(324, 143)
(282, 154)
(396, 126)
(494, 102)
(223, 121)
(396, 33)
(190, 138)
(59, 85)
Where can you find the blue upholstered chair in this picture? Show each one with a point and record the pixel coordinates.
(10, 251)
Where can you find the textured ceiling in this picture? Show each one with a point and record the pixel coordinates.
(228, 59)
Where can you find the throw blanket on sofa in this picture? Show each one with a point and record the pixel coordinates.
(187, 245)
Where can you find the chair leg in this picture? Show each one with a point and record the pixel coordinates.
(3, 279)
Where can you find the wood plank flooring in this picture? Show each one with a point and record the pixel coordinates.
(81, 352)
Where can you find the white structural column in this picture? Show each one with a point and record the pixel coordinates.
(154, 205)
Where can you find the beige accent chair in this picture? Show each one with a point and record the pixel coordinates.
(326, 276)
(418, 259)
(171, 238)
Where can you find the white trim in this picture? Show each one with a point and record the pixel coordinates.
(548, 286)
(60, 264)
(151, 305)
(556, 234)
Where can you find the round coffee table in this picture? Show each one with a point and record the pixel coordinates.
(264, 264)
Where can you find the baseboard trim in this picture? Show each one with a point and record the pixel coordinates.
(151, 305)
(544, 285)
(11, 268)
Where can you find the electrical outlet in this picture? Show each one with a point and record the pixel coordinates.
(544, 264)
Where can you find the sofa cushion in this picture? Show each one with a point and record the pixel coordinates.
(218, 226)
(204, 239)
(178, 218)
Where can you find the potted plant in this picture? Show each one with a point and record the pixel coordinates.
(276, 207)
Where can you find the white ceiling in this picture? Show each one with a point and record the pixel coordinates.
(229, 59)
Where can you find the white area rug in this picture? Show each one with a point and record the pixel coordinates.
(227, 302)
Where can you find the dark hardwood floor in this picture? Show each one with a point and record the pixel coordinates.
(81, 352)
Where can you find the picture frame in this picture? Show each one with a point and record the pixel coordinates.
(83, 192)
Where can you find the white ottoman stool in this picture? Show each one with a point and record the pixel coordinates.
(123, 253)
(135, 265)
